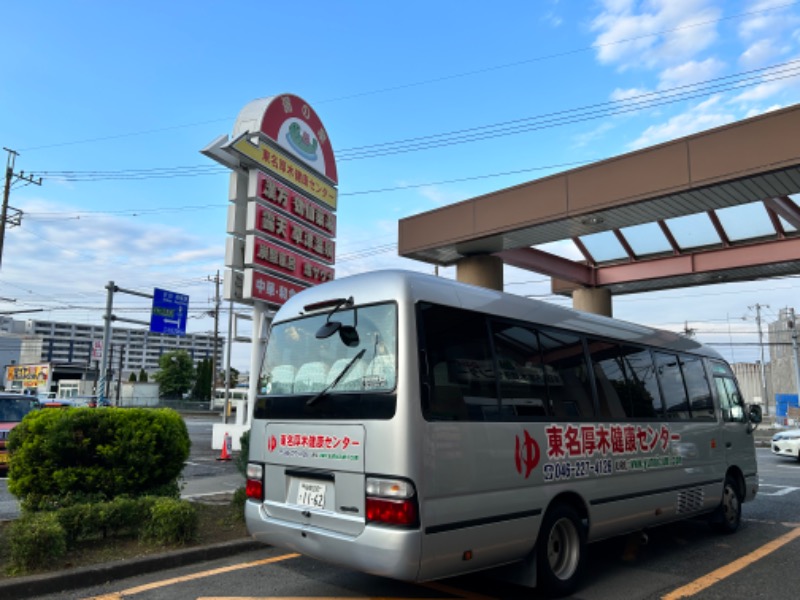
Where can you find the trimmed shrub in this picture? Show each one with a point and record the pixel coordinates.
(171, 521)
(238, 502)
(243, 456)
(124, 515)
(82, 455)
(36, 539)
(78, 521)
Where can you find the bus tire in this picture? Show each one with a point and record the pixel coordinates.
(560, 551)
(728, 516)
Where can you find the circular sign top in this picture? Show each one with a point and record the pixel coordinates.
(292, 123)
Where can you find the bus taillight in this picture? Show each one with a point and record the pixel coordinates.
(254, 487)
(391, 502)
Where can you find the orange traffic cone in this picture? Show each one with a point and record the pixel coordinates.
(225, 454)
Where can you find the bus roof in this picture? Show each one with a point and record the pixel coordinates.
(380, 286)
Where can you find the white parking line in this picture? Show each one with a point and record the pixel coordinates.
(782, 489)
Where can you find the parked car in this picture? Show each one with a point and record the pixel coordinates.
(90, 401)
(787, 443)
(56, 403)
(13, 408)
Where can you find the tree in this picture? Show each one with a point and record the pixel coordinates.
(202, 382)
(132, 378)
(143, 376)
(233, 381)
(175, 374)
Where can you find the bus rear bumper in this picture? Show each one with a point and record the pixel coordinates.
(383, 551)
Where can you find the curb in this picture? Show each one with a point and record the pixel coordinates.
(52, 583)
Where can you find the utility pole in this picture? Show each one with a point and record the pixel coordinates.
(216, 334)
(764, 398)
(16, 217)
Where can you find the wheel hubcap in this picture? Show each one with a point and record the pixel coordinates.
(731, 505)
(563, 549)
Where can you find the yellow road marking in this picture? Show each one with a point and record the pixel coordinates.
(439, 587)
(710, 579)
(165, 582)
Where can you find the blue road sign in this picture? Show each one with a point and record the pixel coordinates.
(169, 312)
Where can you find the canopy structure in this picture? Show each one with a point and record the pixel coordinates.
(717, 206)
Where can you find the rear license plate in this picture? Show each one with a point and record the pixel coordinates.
(311, 493)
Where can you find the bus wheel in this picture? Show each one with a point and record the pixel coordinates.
(728, 516)
(560, 551)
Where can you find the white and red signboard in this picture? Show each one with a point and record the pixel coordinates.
(268, 287)
(269, 189)
(277, 226)
(283, 221)
(268, 255)
(294, 125)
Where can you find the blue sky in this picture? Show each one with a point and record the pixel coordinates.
(112, 101)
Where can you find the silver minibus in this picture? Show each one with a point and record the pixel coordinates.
(418, 428)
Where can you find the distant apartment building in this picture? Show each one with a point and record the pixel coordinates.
(72, 343)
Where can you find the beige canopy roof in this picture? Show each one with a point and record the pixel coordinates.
(711, 207)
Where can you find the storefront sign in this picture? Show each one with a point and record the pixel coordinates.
(268, 288)
(267, 255)
(269, 189)
(275, 225)
(269, 157)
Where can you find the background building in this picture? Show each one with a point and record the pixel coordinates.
(33, 341)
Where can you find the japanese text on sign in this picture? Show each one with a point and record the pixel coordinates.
(573, 441)
(288, 263)
(328, 442)
(275, 225)
(281, 164)
(309, 212)
(310, 446)
(263, 286)
(580, 451)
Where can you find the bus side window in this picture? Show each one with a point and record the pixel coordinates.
(523, 392)
(447, 399)
(609, 377)
(730, 400)
(645, 399)
(676, 402)
(700, 402)
(460, 340)
(566, 374)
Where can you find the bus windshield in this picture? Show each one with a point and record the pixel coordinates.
(311, 367)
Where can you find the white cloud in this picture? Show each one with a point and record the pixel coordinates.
(438, 196)
(55, 260)
(586, 138)
(705, 115)
(661, 32)
(619, 94)
(774, 82)
(759, 53)
(754, 112)
(690, 72)
(768, 17)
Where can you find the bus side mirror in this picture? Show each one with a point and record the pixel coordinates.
(754, 413)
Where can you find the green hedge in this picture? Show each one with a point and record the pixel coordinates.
(61, 457)
(38, 538)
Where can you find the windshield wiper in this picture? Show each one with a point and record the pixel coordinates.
(336, 381)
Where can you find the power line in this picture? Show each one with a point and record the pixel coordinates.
(561, 118)
(440, 79)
